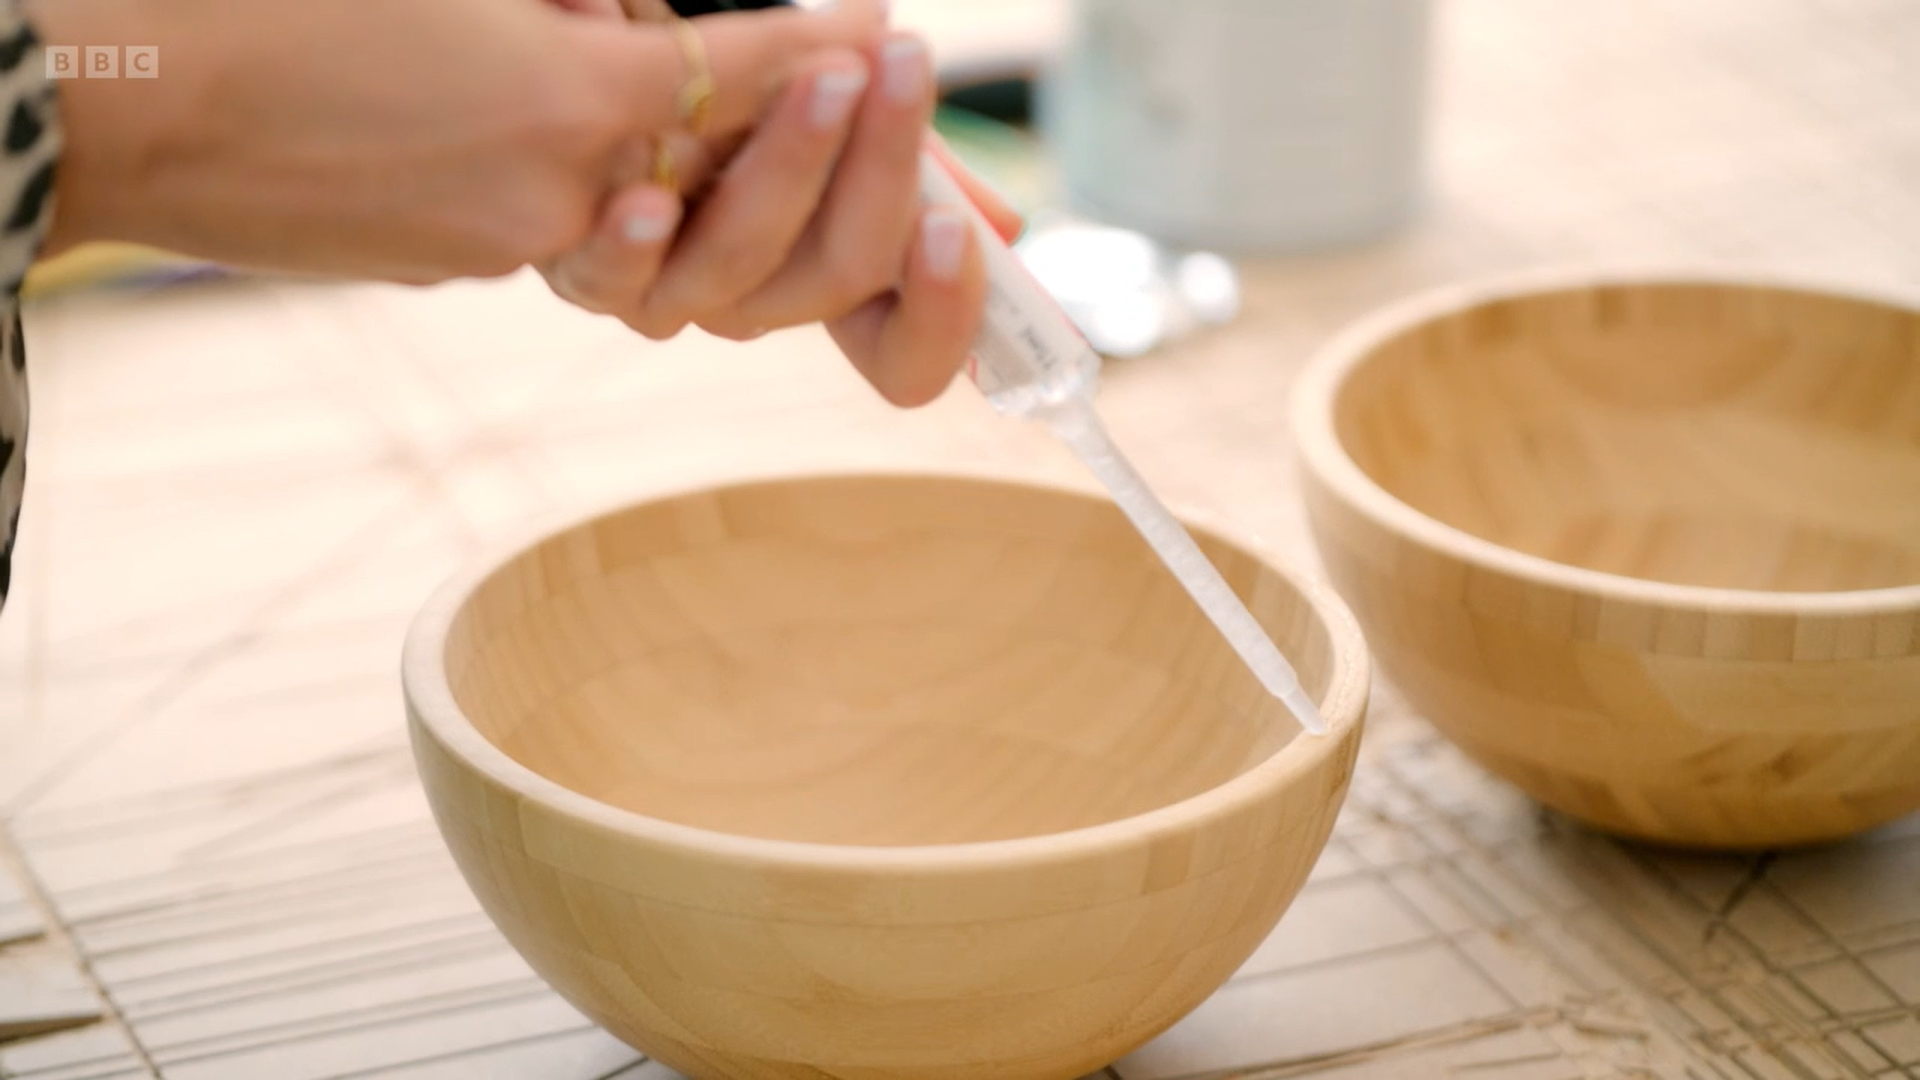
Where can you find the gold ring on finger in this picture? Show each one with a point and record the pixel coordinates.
(697, 93)
(665, 174)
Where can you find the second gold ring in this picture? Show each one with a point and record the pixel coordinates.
(695, 100)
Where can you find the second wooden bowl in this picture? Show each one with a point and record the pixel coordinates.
(1650, 549)
(902, 777)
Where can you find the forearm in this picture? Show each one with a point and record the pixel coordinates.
(112, 128)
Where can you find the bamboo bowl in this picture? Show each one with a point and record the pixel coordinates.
(876, 776)
(1648, 549)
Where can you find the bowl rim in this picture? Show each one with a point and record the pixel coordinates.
(430, 703)
(1321, 452)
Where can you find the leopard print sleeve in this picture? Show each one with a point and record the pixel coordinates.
(32, 147)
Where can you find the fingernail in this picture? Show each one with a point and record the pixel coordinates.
(646, 227)
(834, 93)
(904, 59)
(943, 242)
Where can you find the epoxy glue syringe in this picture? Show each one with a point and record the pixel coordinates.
(1032, 362)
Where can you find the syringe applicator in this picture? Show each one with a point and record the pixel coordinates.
(1031, 361)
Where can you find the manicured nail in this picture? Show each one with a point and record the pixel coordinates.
(834, 93)
(943, 241)
(646, 227)
(904, 60)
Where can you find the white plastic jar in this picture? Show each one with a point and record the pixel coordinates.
(1243, 126)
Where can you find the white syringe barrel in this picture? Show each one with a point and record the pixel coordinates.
(1028, 358)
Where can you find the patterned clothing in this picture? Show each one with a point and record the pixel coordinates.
(32, 147)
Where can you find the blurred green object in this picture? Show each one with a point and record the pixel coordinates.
(1008, 99)
(112, 266)
(1008, 157)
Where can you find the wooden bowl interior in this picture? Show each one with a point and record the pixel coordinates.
(1694, 434)
(872, 661)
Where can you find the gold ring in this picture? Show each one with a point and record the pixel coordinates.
(696, 96)
(664, 173)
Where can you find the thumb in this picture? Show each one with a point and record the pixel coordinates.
(750, 57)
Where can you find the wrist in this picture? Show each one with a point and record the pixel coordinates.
(110, 126)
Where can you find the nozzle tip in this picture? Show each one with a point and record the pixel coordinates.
(1305, 711)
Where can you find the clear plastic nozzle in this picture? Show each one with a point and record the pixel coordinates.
(1031, 361)
(1079, 427)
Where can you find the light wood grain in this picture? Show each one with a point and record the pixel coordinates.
(873, 776)
(1650, 550)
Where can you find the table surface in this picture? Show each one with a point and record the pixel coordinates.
(239, 493)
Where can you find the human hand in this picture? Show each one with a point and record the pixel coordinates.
(817, 217)
(412, 142)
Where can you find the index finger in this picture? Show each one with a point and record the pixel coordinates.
(751, 56)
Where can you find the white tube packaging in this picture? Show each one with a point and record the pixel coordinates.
(1029, 357)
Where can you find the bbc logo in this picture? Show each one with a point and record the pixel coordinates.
(103, 62)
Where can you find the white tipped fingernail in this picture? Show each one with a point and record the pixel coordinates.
(834, 93)
(646, 228)
(904, 64)
(943, 242)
